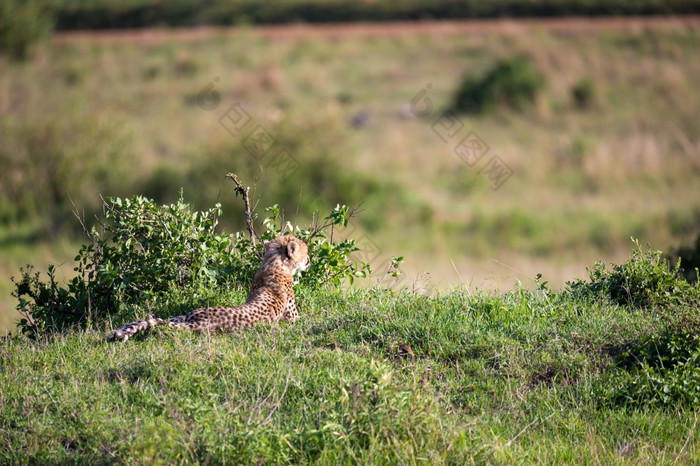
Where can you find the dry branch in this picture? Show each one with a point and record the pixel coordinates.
(243, 191)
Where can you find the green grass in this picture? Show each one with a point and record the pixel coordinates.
(365, 377)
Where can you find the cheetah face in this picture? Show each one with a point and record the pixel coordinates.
(292, 251)
(302, 266)
(298, 253)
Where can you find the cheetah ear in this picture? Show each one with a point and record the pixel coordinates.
(266, 245)
(292, 248)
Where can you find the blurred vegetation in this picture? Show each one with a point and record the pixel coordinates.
(513, 83)
(583, 94)
(314, 176)
(22, 24)
(102, 14)
(689, 258)
(59, 160)
(77, 158)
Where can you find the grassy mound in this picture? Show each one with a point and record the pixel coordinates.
(371, 377)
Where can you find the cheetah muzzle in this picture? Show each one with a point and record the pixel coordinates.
(271, 296)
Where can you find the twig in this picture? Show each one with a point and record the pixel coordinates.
(290, 445)
(469, 291)
(386, 274)
(510, 442)
(81, 219)
(109, 206)
(685, 444)
(352, 213)
(243, 191)
(277, 405)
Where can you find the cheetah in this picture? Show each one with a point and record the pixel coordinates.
(271, 296)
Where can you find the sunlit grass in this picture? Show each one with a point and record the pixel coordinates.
(366, 377)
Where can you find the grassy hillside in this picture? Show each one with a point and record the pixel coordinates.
(582, 376)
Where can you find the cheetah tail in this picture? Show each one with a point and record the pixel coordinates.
(133, 328)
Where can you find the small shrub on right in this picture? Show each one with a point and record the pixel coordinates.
(657, 366)
(645, 280)
(660, 370)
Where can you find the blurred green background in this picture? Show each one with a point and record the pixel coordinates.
(598, 126)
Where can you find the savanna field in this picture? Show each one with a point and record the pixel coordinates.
(496, 336)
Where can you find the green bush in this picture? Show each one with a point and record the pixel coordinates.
(658, 364)
(22, 24)
(512, 83)
(645, 280)
(661, 370)
(141, 252)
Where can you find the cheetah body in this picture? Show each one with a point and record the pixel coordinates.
(271, 296)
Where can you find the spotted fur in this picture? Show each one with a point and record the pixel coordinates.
(271, 296)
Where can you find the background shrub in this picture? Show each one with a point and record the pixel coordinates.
(323, 177)
(512, 83)
(583, 93)
(22, 24)
(689, 258)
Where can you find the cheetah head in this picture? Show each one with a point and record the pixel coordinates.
(292, 251)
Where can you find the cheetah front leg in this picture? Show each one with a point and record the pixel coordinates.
(291, 314)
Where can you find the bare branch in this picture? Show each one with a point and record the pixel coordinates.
(243, 191)
(81, 219)
(279, 402)
(341, 271)
(328, 222)
(388, 272)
